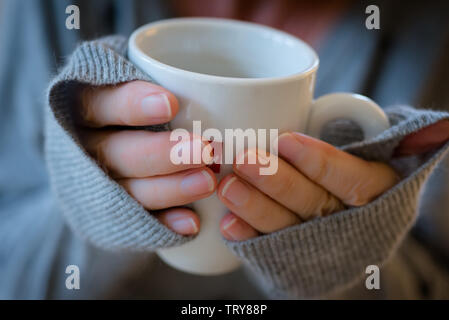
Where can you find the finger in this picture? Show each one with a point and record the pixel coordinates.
(287, 186)
(234, 228)
(138, 154)
(424, 140)
(136, 103)
(254, 207)
(180, 220)
(173, 190)
(353, 180)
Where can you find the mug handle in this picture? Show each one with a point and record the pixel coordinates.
(360, 109)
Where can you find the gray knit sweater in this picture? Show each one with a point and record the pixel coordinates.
(313, 259)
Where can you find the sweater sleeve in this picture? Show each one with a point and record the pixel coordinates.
(94, 205)
(309, 260)
(323, 256)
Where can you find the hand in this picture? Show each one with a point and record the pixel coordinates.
(139, 160)
(313, 179)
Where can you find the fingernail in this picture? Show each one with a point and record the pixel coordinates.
(229, 224)
(228, 232)
(157, 106)
(235, 192)
(197, 183)
(292, 137)
(184, 226)
(299, 137)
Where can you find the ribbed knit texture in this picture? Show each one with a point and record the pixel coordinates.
(310, 260)
(95, 206)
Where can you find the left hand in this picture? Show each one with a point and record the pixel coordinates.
(313, 179)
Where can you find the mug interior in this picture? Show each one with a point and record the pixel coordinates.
(225, 48)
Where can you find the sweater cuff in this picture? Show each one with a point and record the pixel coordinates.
(323, 256)
(95, 206)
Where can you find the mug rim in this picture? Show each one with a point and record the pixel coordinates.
(138, 53)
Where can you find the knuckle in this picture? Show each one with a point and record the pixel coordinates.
(330, 204)
(287, 188)
(358, 195)
(265, 219)
(316, 205)
(320, 203)
(320, 167)
(323, 205)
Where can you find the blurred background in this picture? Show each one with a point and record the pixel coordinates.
(406, 61)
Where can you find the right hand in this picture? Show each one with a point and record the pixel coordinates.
(139, 160)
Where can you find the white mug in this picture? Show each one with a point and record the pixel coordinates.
(230, 74)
